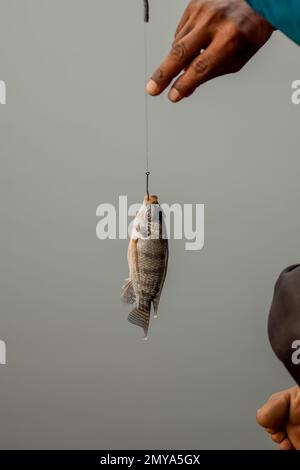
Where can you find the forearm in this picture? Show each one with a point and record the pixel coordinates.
(284, 15)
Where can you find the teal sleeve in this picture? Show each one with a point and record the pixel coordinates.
(283, 14)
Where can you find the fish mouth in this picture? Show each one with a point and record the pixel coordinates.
(152, 199)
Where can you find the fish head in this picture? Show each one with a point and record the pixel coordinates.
(152, 199)
(148, 222)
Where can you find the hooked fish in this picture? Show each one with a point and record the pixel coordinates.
(147, 261)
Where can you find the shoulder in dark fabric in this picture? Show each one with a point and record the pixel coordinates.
(284, 319)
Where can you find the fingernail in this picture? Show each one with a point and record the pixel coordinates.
(152, 87)
(174, 95)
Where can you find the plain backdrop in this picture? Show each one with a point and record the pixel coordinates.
(72, 136)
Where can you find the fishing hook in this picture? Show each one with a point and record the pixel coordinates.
(147, 184)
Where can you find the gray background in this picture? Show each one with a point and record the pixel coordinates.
(72, 136)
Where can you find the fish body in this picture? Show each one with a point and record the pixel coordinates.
(147, 261)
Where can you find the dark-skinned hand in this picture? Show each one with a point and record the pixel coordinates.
(280, 417)
(213, 38)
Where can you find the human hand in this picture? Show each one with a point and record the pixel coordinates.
(280, 416)
(213, 38)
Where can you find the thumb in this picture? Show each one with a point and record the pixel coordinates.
(275, 413)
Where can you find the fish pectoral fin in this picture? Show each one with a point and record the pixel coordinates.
(128, 295)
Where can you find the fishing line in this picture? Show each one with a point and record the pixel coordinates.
(147, 154)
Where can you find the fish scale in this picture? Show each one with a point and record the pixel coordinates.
(151, 255)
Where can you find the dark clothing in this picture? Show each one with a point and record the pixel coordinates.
(284, 320)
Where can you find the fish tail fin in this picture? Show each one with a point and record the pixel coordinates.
(140, 316)
(128, 295)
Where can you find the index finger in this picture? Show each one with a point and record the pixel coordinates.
(181, 54)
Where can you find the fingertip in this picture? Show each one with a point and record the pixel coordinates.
(259, 416)
(174, 95)
(286, 445)
(152, 88)
(273, 414)
(278, 437)
(264, 416)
